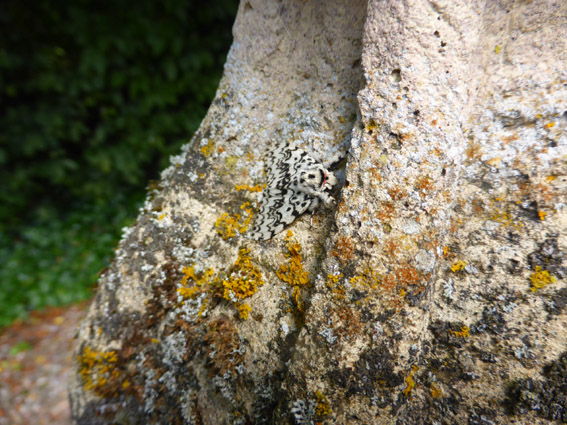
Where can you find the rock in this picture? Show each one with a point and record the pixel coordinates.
(433, 294)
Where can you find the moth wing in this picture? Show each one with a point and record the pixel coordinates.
(284, 164)
(280, 207)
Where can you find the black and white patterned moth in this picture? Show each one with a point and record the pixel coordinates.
(297, 182)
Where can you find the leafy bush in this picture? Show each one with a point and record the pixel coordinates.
(94, 97)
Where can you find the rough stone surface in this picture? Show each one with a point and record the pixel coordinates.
(434, 294)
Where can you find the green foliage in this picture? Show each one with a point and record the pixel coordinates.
(94, 97)
(19, 348)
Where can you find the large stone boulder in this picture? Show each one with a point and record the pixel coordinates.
(434, 293)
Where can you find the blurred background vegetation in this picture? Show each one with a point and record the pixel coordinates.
(94, 97)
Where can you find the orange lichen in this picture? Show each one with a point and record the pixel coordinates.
(391, 247)
(346, 322)
(541, 215)
(386, 211)
(545, 192)
(424, 184)
(405, 277)
(397, 194)
(541, 278)
(344, 249)
(473, 151)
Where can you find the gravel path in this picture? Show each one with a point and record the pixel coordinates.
(35, 357)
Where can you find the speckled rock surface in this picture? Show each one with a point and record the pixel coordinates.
(436, 291)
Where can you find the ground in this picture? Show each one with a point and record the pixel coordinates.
(35, 358)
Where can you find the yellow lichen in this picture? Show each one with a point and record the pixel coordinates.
(458, 266)
(334, 286)
(541, 215)
(257, 188)
(371, 126)
(198, 281)
(242, 279)
(410, 382)
(97, 369)
(228, 226)
(239, 282)
(293, 272)
(323, 407)
(540, 278)
(463, 333)
(503, 216)
(436, 391)
(203, 308)
(207, 149)
(244, 309)
(369, 278)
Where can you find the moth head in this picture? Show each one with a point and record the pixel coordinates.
(316, 177)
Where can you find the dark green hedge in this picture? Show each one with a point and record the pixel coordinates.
(94, 97)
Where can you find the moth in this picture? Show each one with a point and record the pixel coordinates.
(297, 182)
